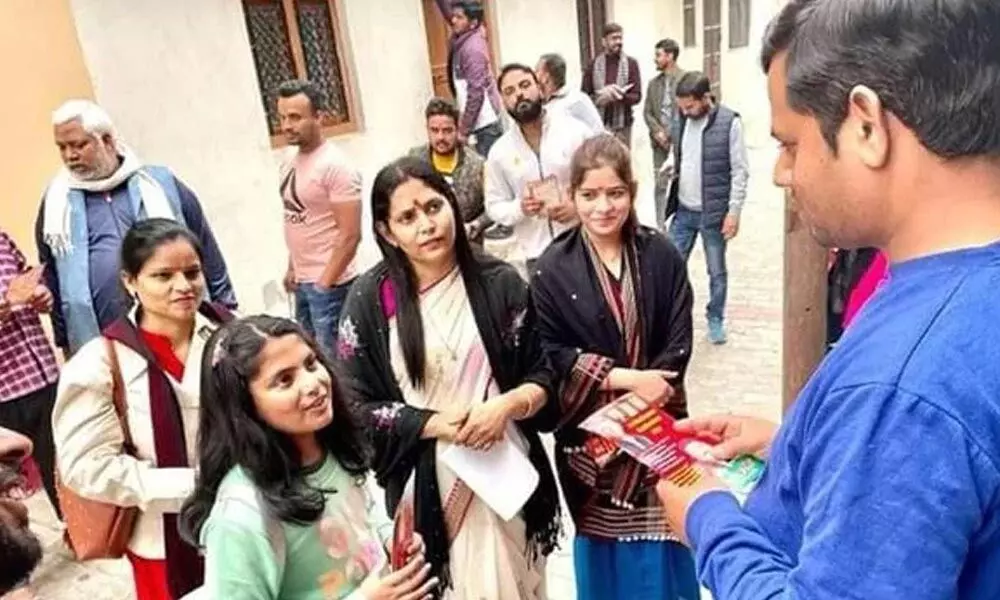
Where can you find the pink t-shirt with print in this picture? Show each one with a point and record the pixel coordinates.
(311, 186)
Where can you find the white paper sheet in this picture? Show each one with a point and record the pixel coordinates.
(502, 477)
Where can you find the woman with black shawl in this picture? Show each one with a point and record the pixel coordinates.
(614, 313)
(440, 346)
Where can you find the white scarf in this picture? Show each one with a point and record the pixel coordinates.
(56, 227)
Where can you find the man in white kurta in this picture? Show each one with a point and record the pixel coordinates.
(527, 171)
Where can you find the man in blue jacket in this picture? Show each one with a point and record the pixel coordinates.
(884, 480)
(86, 211)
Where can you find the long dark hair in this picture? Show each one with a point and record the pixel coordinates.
(404, 280)
(231, 433)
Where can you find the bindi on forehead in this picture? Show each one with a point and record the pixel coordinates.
(417, 203)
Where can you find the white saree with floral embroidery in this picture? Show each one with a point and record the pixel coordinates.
(489, 557)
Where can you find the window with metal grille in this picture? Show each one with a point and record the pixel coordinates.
(301, 39)
(712, 49)
(690, 25)
(739, 23)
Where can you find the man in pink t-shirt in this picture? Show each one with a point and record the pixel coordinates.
(322, 199)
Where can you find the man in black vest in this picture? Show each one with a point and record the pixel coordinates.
(712, 173)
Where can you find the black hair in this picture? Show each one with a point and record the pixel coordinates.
(441, 107)
(404, 281)
(693, 85)
(611, 28)
(509, 67)
(310, 90)
(145, 237)
(231, 432)
(20, 553)
(934, 65)
(473, 10)
(555, 66)
(669, 46)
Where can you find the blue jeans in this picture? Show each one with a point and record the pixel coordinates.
(318, 312)
(684, 229)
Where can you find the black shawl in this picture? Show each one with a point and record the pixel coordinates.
(506, 322)
(581, 337)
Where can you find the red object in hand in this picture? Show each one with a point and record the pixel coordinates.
(402, 534)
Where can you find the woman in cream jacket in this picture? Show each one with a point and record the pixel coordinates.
(158, 348)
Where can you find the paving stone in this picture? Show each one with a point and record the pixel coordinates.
(743, 376)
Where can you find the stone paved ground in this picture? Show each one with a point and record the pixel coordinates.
(742, 376)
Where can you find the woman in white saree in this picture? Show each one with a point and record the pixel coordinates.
(439, 348)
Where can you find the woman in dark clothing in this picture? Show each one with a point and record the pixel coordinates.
(440, 347)
(853, 277)
(614, 313)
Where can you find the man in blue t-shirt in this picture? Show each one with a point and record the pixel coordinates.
(884, 481)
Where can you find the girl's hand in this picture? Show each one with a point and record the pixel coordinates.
(486, 424)
(416, 548)
(651, 385)
(408, 583)
(445, 426)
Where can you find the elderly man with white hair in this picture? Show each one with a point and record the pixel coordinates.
(87, 208)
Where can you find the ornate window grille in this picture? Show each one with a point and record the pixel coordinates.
(301, 39)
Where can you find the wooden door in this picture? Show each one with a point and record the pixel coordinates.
(591, 17)
(439, 39)
(712, 40)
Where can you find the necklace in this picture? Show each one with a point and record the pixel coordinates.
(442, 362)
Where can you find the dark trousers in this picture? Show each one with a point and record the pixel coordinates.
(487, 136)
(660, 187)
(31, 415)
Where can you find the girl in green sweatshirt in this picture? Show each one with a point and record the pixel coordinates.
(281, 507)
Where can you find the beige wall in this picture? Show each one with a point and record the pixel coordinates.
(529, 28)
(744, 87)
(645, 22)
(183, 91)
(42, 65)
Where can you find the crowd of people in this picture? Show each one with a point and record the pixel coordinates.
(240, 446)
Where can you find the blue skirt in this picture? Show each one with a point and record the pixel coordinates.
(611, 570)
